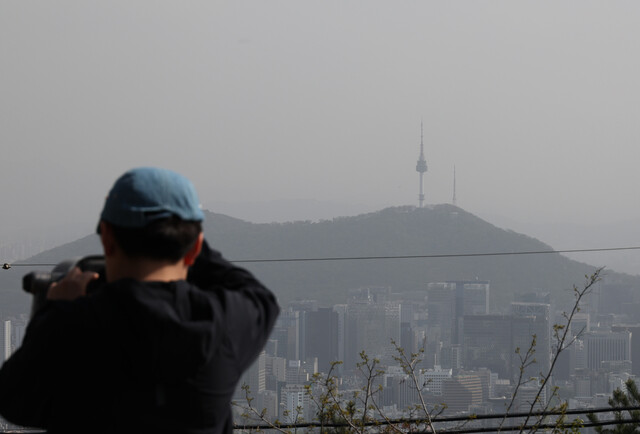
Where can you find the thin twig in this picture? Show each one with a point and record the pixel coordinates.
(579, 294)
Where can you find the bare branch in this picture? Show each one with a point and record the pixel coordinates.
(579, 295)
(409, 367)
(259, 414)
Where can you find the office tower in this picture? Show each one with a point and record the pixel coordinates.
(580, 324)
(267, 402)
(487, 343)
(399, 389)
(407, 338)
(321, 337)
(275, 371)
(433, 379)
(341, 318)
(612, 297)
(407, 334)
(271, 347)
(486, 378)
(295, 404)
(287, 333)
(635, 344)
(304, 309)
(578, 355)
(441, 313)
(296, 374)
(456, 358)
(7, 340)
(606, 346)
(372, 323)
(475, 297)
(526, 398)
(582, 384)
(532, 319)
(461, 392)
(448, 302)
(255, 376)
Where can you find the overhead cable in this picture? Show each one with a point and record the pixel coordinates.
(475, 417)
(446, 255)
(7, 266)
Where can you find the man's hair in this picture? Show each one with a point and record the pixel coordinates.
(165, 239)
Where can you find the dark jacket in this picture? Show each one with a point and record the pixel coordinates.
(141, 356)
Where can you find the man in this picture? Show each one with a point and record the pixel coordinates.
(162, 345)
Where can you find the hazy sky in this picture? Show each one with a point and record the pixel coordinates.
(535, 103)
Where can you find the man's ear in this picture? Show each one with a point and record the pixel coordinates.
(193, 253)
(106, 237)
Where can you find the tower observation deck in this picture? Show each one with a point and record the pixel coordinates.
(421, 167)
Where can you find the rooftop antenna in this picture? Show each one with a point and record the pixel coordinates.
(421, 167)
(454, 186)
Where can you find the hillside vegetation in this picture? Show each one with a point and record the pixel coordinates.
(400, 231)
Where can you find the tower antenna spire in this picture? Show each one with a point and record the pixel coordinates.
(454, 186)
(421, 166)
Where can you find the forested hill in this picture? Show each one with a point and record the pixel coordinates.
(401, 231)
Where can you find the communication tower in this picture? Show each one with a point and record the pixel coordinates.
(421, 167)
(454, 186)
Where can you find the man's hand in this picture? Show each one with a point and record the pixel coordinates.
(72, 286)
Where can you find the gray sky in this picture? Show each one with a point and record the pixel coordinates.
(535, 103)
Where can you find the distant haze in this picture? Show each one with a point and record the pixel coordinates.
(267, 102)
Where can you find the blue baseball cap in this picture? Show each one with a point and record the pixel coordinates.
(146, 194)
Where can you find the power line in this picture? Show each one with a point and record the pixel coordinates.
(475, 417)
(7, 266)
(452, 255)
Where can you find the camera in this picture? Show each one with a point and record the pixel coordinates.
(37, 283)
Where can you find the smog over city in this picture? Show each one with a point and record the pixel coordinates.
(409, 161)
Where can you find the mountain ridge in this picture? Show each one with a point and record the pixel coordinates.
(396, 231)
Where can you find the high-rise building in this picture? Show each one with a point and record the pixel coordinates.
(635, 344)
(8, 349)
(296, 374)
(441, 313)
(372, 323)
(612, 297)
(606, 346)
(529, 320)
(304, 309)
(295, 403)
(531, 397)
(287, 333)
(341, 318)
(462, 392)
(486, 379)
(267, 402)
(254, 377)
(580, 324)
(475, 297)
(487, 343)
(321, 337)
(448, 302)
(433, 378)
(399, 389)
(407, 336)
(275, 371)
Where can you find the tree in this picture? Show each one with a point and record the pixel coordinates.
(622, 403)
